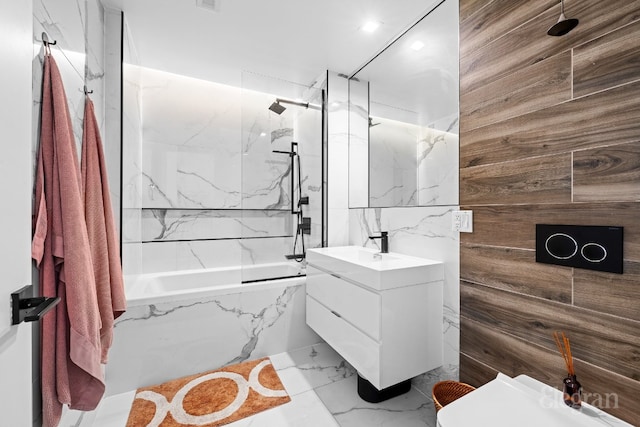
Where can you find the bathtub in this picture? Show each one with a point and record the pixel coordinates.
(186, 322)
(165, 286)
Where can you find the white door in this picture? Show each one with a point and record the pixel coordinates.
(16, 47)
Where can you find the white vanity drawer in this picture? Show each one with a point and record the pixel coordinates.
(359, 350)
(357, 305)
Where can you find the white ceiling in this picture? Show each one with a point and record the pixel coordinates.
(294, 40)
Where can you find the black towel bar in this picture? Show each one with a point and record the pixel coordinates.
(27, 308)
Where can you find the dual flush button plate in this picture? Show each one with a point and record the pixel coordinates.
(590, 247)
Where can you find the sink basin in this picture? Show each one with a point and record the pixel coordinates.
(373, 269)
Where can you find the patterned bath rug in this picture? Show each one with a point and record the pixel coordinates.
(211, 398)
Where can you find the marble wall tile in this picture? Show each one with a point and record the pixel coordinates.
(338, 132)
(173, 256)
(131, 136)
(338, 226)
(437, 157)
(413, 165)
(112, 138)
(196, 254)
(265, 251)
(158, 342)
(337, 159)
(189, 177)
(358, 143)
(132, 262)
(266, 183)
(193, 224)
(393, 163)
(191, 134)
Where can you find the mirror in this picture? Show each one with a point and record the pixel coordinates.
(408, 123)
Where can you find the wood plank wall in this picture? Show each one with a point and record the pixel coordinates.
(550, 133)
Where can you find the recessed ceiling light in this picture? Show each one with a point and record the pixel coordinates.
(370, 27)
(263, 134)
(417, 45)
(212, 5)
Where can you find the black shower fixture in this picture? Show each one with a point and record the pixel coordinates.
(564, 25)
(277, 107)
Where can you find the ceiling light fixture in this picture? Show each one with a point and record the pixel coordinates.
(417, 45)
(370, 27)
(212, 5)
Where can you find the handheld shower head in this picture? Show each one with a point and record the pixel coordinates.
(564, 25)
(277, 108)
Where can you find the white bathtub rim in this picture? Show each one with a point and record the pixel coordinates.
(136, 299)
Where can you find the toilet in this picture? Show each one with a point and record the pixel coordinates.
(521, 401)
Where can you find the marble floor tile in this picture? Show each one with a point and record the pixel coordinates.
(305, 409)
(412, 409)
(114, 410)
(323, 390)
(310, 367)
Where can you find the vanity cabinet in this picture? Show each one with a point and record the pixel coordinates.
(388, 333)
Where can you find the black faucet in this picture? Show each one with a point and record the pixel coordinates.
(384, 241)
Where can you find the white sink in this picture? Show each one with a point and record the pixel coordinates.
(371, 268)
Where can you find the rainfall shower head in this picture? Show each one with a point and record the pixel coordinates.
(564, 25)
(276, 107)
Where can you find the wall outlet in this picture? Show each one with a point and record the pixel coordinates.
(462, 221)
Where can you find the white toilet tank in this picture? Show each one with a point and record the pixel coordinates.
(521, 401)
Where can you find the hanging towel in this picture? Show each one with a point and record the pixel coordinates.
(71, 370)
(101, 228)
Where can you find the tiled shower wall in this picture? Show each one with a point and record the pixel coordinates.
(207, 190)
(550, 134)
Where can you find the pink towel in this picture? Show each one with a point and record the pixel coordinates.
(71, 370)
(101, 228)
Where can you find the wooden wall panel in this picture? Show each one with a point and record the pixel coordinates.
(617, 294)
(495, 20)
(607, 174)
(533, 152)
(475, 373)
(600, 339)
(529, 44)
(602, 119)
(608, 61)
(536, 180)
(468, 8)
(542, 85)
(513, 356)
(515, 270)
(513, 226)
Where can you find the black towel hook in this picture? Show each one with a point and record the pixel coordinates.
(45, 40)
(87, 91)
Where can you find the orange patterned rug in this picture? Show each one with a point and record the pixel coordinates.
(209, 399)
